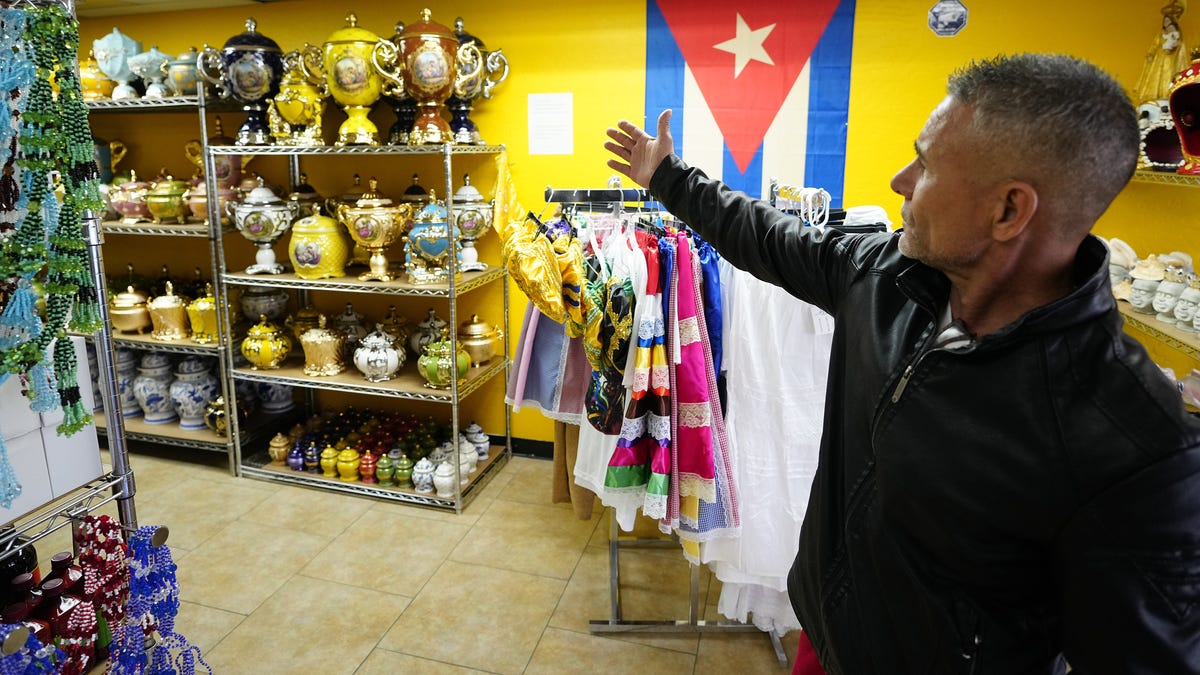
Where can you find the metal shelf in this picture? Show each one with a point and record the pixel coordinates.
(469, 282)
(136, 429)
(164, 104)
(1166, 178)
(260, 466)
(147, 342)
(1176, 338)
(407, 385)
(291, 150)
(157, 229)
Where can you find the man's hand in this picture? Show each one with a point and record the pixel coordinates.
(641, 153)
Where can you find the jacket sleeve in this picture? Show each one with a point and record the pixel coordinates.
(754, 236)
(1128, 570)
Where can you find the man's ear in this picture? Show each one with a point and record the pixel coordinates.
(1016, 203)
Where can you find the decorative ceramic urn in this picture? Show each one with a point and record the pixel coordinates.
(168, 313)
(322, 350)
(262, 217)
(377, 356)
(266, 346)
(248, 69)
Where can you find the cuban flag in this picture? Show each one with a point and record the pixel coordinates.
(759, 90)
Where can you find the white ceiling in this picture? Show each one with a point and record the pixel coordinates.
(95, 8)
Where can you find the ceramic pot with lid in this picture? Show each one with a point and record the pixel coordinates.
(129, 200)
(165, 200)
(322, 350)
(262, 217)
(304, 318)
(377, 356)
(181, 73)
(202, 315)
(264, 300)
(128, 311)
(248, 68)
(442, 364)
(266, 346)
(479, 339)
(168, 313)
(318, 248)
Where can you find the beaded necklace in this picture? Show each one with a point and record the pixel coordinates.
(33, 657)
(16, 74)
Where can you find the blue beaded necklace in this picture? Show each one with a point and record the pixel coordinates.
(32, 658)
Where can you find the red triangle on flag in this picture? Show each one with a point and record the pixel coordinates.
(746, 57)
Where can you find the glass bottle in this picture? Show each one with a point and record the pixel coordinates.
(62, 566)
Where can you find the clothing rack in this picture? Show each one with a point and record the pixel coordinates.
(616, 623)
(118, 483)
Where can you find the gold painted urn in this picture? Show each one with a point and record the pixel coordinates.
(294, 115)
(202, 315)
(375, 222)
(426, 62)
(166, 201)
(128, 311)
(168, 313)
(323, 349)
(344, 60)
(266, 345)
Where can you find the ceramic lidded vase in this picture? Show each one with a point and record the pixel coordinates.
(422, 475)
(428, 330)
(152, 387)
(248, 68)
(441, 364)
(165, 200)
(304, 318)
(374, 222)
(472, 217)
(322, 350)
(129, 199)
(202, 315)
(403, 471)
(397, 326)
(350, 323)
(307, 197)
(348, 461)
(479, 438)
(274, 398)
(318, 248)
(181, 73)
(344, 59)
(266, 346)
(128, 312)
(430, 244)
(295, 112)
(377, 356)
(443, 478)
(262, 217)
(127, 364)
(479, 339)
(194, 387)
(112, 53)
(168, 313)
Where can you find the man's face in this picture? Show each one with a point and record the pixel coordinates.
(944, 188)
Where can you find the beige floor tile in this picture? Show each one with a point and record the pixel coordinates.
(722, 653)
(561, 652)
(205, 626)
(492, 618)
(309, 510)
(535, 539)
(531, 483)
(653, 588)
(244, 563)
(393, 552)
(384, 662)
(308, 626)
(469, 516)
(196, 509)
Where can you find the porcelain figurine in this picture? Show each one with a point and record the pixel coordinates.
(479, 339)
(190, 393)
(441, 363)
(165, 200)
(323, 350)
(152, 387)
(274, 398)
(377, 356)
(266, 346)
(350, 323)
(113, 52)
(472, 218)
(295, 113)
(422, 475)
(262, 300)
(248, 68)
(344, 61)
(127, 364)
(318, 248)
(374, 222)
(262, 217)
(1167, 294)
(444, 480)
(427, 63)
(128, 312)
(168, 313)
(151, 66)
(1142, 295)
(428, 330)
(181, 73)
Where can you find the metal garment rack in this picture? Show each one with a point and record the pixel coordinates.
(616, 623)
(118, 483)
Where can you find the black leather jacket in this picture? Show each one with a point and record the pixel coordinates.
(984, 510)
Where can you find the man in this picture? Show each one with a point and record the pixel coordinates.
(1004, 475)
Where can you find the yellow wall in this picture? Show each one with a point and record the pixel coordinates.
(596, 51)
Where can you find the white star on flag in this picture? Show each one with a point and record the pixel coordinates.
(747, 45)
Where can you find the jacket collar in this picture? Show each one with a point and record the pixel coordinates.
(1091, 298)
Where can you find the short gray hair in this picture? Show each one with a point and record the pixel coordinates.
(1066, 124)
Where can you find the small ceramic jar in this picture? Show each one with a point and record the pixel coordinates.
(278, 448)
(181, 73)
(422, 475)
(318, 248)
(168, 313)
(322, 351)
(479, 339)
(263, 301)
(347, 465)
(128, 311)
(428, 330)
(442, 363)
(329, 459)
(165, 200)
(377, 356)
(266, 346)
(129, 200)
(350, 323)
(443, 479)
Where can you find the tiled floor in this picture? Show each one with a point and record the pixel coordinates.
(283, 579)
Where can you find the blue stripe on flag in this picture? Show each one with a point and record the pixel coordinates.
(664, 75)
(829, 104)
(749, 182)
